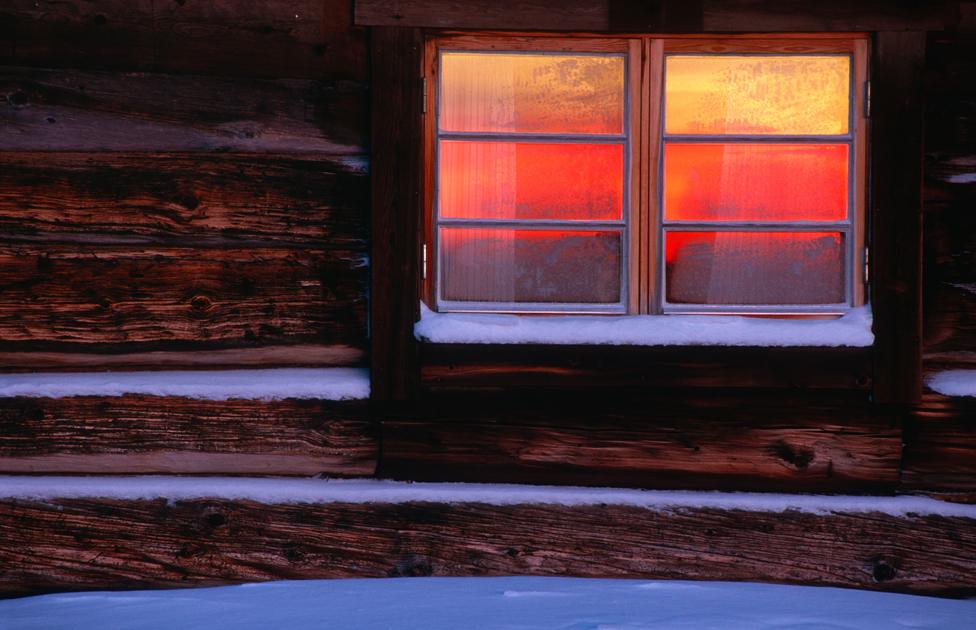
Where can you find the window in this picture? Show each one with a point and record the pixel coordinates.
(645, 175)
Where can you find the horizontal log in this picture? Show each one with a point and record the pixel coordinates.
(74, 110)
(202, 298)
(92, 543)
(276, 38)
(732, 441)
(151, 434)
(182, 199)
(521, 367)
(715, 16)
(940, 445)
(92, 357)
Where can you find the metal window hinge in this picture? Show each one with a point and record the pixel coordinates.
(867, 265)
(423, 260)
(423, 81)
(867, 99)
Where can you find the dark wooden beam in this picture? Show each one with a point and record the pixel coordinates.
(397, 100)
(137, 434)
(675, 439)
(73, 110)
(897, 120)
(607, 368)
(660, 16)
(97, 543)
(54, 296)
(940, 445)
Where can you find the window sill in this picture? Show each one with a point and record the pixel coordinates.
(852, 330)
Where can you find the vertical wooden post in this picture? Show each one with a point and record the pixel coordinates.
(896, 214)
(396, 101)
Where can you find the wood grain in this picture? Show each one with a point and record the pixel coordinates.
(276, 38)
(677, 439)
(940, 445)
(660, 16)
(79, 544)
(896, 196)
(183, 199)
(74, 110)
(397, 108)
(88, 357)
(606, 368)
(150, 434)
(212, 298)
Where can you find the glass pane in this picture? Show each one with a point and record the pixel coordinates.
(531, 93)
(501, 265)
(755, 267)
(521, 180)
(758, 94)
(755, 182)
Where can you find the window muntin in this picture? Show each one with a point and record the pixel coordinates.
(531, 197)
(792, 179)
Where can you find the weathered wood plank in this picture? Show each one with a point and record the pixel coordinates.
(526, 367)
(151, 434)
(661, 16)
(397, 105)
(205, 298)
(182, 199)
(76, 111)
(940, 445)
(896, 258)
(90, 357)
(76, 544)
(275, 38)
(669, 441)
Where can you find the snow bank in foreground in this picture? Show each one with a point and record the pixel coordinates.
(954, 382)
(325, 383)
(489, 603)
(380, 491)
(853, 329)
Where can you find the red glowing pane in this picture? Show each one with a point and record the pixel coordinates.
(757, 94)
(755, 268)
(512, 266)
(755, 182)
(531, 93)
(524, 180)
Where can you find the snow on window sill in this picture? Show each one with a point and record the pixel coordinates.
(953, 382)
(851, 330)
(271, 384)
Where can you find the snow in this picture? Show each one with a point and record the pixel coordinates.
(954, 382)
(962, 178)
(276, 384)
(383, 491)
(852, 329)
(509, 603)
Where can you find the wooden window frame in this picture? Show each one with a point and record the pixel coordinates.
(642, 276)
(890, 371)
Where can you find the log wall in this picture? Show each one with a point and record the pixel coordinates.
(187, 185)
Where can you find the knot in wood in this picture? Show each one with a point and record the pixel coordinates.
(201, 303)
(18, 99)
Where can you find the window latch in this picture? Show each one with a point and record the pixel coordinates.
(423, 260)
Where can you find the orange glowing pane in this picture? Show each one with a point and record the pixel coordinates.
(755, 268)
(512, 266)
(531, 93)
(524, 180)
(762, 94)
(755, 182)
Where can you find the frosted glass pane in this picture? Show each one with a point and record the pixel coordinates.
(755, 182)
(755, 268)
(760, 94)
(501, 265)
(518, 180)
(531, 93)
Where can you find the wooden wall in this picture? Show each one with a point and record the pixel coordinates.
(185, 184)
(185, 177)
